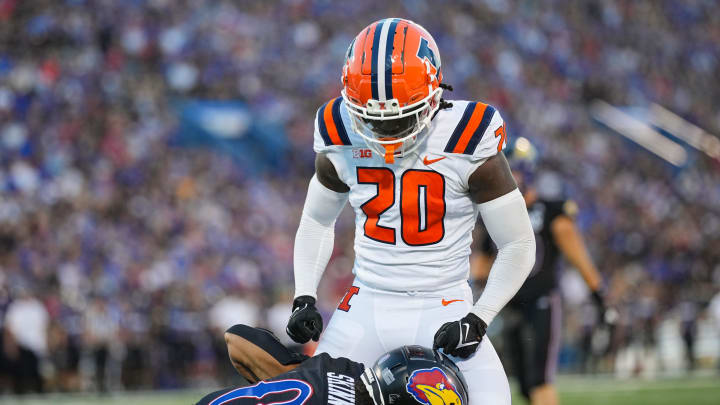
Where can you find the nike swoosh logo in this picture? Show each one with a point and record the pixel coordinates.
(428, 162)
(465, 337)
(446, 303)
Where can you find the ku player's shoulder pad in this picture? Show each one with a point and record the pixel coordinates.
(479, 132)
(331, 126)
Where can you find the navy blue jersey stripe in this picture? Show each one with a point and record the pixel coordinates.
(478, 134)
(374, 61)
(321, 125)
(455, 137)
(339, 123)
(388, 59)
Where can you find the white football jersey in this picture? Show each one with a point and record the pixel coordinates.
(413, 218)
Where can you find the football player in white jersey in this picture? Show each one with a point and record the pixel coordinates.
(417, 171)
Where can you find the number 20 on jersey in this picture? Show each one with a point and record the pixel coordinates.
(422, 205)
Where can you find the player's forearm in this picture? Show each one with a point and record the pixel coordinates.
(579, 258)
(315, 236)
(508, 224)
(571, 244)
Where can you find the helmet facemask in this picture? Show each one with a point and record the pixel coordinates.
(392, 86)
(392, 131)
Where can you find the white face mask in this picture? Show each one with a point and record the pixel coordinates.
(368, 122)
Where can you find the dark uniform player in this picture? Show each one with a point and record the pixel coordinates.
(533, 323)
(407, 375)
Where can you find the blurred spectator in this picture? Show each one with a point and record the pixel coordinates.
(233, 309)
(278, 315)
(688, 321)
(228, 311)
(64, 354)
(25, 341)
(101, 331)
(714, 310)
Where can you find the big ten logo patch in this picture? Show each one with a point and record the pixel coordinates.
(362, 153)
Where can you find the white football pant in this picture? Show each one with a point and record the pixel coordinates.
(378, 321)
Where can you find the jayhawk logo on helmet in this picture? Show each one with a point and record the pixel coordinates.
(391, 85)
(432, 387)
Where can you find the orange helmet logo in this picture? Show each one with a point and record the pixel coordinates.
(392, 71)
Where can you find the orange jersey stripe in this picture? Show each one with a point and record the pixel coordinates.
(330, 123)
(470, 128)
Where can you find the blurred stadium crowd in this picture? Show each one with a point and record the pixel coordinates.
(123, 257)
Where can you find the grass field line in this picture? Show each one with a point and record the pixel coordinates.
(586, 386)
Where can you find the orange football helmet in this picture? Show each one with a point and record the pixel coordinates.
(391, 85)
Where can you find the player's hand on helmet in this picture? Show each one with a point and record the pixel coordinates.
(460, 338)
(305, 322)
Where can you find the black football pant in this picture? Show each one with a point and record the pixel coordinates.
(532, 336)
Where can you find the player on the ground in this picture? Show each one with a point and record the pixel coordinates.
(417, 171)
(532, 317)
(404, 376)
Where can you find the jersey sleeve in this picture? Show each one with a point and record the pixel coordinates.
(479, 133)
(330, 129)
(348, 367)
(494, 138)
(324, 362)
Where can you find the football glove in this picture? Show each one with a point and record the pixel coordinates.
(606, 315)
(305, 322)
(460, 338)
(599, 303)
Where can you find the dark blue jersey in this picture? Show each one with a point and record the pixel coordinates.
(318, 380)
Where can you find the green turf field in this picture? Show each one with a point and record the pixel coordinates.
(573, 391)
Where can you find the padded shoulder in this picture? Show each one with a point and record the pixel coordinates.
(330, 126)
(474, 129)
(568, 208)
